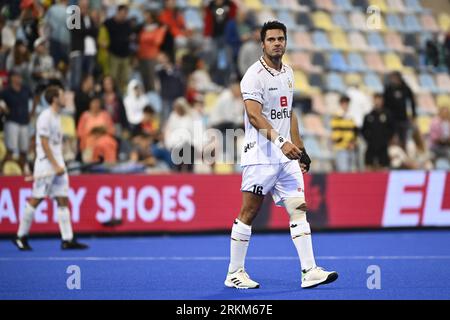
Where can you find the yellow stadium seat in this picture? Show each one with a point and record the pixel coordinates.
(210, 101)
(302, 84)
(443, 100)
(253, 4)
(223, 168)
(353, 78)
(195, 3)
(11, 168)
(339, 40)
(393, 62)
(381, 4)
(322, 20)
(68, 126)
(444, 21)
(424, 123)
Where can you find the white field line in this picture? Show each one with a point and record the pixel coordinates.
(218, 258)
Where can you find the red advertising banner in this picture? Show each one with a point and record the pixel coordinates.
(144, 203)
(147, 203)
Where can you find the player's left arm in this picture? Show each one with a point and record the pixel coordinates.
(305, 161)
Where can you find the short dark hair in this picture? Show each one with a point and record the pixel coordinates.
(344, 99)
(122, 7)
(378, 95)
(51, 93)
(272, 25)
(149, 109)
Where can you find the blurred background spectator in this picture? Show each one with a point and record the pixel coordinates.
(343, 134)
(136, 58)
(377, 130)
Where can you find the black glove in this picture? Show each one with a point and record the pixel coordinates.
(305, 159)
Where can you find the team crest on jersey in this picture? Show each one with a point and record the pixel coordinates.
(290, 83)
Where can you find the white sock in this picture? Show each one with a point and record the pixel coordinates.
(65, 225)
(26, 221)
(240, 237)
(301, 236)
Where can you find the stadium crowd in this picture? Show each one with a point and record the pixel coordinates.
(134, 73)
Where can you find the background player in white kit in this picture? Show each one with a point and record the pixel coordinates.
(273, 160)
(49, 159)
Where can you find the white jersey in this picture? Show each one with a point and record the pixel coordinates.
(274, 90)
(49, 125)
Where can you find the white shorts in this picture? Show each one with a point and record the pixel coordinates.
(16, 137)
(283, 180)
(52, 186)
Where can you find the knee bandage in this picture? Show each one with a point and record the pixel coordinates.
(296, 208)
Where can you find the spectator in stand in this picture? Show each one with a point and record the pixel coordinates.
(150, 39)
(447, 50)
(149, 127)
(119, 30)
(141, 152)
(114, 105)
(343, 134)
(398, 96)
(103, 42)
(377, 130)
(82, 47)
(440, 138)
(172, 85)
(417, 150)
(135, 101)
(149, 123)
(28, 31)
(228, 113)
(179, 135)
(249, 52)
(19, 60)
(360, 104)
(432, 53)
(58, 34)
(15, 103)
(83, 96)
(95, 131)
(238, 31)
(7, 41)
(42, 69)
(177, 31)
(399, 159)
(217, 14)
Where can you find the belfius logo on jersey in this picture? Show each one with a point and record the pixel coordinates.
(283, 113)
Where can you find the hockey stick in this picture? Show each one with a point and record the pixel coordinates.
(68, 170)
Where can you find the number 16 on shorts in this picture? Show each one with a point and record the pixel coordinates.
(257, 190)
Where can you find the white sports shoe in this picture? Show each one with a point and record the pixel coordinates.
(240, 280)
(317, 276)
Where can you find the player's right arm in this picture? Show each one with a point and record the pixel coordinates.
(260, 122)
(48, 153)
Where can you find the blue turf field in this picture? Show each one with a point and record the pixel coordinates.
(414, 265)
